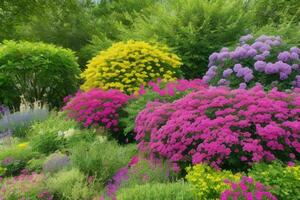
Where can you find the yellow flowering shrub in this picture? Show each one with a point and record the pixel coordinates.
(127, 65)
(208, 183)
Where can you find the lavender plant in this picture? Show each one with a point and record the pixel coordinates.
(19, 122)
(266, 60)
(56, 162)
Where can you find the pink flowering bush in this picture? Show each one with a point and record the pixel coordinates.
(266, 59)
(156, 91)
(229, 129)
(96, 108)
(247, 189)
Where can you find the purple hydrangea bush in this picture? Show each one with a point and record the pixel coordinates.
(266, 60)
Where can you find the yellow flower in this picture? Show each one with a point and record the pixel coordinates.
(23, 145)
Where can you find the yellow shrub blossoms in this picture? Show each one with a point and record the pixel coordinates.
(207, 183)
(128, 65)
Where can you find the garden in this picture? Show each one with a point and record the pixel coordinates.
(150, 100)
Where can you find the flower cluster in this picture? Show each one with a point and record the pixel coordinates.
(222, 127)
(173, 87)
(266, 60)
(96, 107)
(25, 186)
(127, 65)
(207, 183)
(247, 188)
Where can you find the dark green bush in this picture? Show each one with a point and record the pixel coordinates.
(37, 71)
(194, 28)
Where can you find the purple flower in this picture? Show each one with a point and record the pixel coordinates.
(227, 72)
(295, 50)
(294, 56)
(260, 66)
(237, 67)
(271, 68)
(245, 38)
(284, 56)
(243, 86)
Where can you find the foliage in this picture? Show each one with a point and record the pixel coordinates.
(164, 92)
(45, 136)
(153, 191)
(275, 11)
(193, 28)
(247, 188)
(127, 65)
(19, 122)
(207, 183)
(35, 164)
(266, 60)
(96, 107)
(86, 157)
(55, 162)
(69, 184)
(25, 186)
(229, 129)
(38, 71)
(284, 181)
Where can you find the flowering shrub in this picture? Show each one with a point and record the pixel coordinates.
(97, 107)
(226, 128)
(284, 181)
(25, 186)
(127, 65)
(156, 91)
(266, 60)
(247, 189)
(207, 183)
(56, 162)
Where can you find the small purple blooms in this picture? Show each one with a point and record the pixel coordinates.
(243, 86)
(245, 38)
(284, 56)
(227, 73)
(263, 59)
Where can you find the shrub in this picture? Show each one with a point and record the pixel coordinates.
(167, 92)
(266, 60)
(38, 71)
(70, 184)
(35, 164)
(193, 28)
(127, 65)
(284, 181)
(45, 136)
(25, 186)
(55, 162)
(226, 128)
(176, 191)
(247, 189)
(19, 122)
(96, 107)
(86, 157)
(207, 183)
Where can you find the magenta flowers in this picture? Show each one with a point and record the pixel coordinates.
(222, 127)
(247, 189)
(96, 108)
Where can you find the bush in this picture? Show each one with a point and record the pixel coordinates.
(207, 183)
(96, 107)
(193, 28)
(25, 186)
(86, 157)
(70, 184)
(267, 60)
(284, 181)
(247, 189)
(19, 122)
(229, 129)
(168, 92)
(55, 162)
(127, 65)
(46, 137)
(38, 71)
(154, 191)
